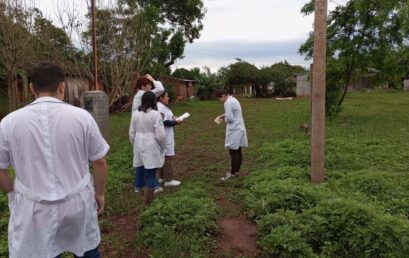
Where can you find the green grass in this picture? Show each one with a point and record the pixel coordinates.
(361, 210)
(367, 165)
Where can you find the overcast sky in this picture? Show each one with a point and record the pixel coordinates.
(261, 32)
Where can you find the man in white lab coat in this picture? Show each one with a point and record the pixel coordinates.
(53, 203)
(236, 135)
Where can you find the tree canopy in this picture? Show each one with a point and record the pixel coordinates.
(364, 35)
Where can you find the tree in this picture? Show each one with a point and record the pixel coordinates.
(177, 22)
(240, 74)
(15, 50)
(141, 36)
(283, 75)
(362, 34)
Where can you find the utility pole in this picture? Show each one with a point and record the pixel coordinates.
(94, 44)
(96, 101)
(318, 92)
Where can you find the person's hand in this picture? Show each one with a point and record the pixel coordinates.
(149, 77)
(100, 199)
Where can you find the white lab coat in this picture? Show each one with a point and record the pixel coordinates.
(170, 137)
(52, 208)
(236, 135)
(137, 100)
(147, 134)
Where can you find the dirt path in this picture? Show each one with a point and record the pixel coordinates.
(237, 236)
(199, 154)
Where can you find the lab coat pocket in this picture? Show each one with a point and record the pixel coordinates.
(11, 198)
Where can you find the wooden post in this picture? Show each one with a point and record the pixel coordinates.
(94, 44)
(318, 92)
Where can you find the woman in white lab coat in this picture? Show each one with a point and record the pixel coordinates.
(143, 84)
(147, 134)
(170, 121)
(236, 135)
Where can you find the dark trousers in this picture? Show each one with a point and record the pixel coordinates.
(94, 253)
(236, 160)
(166, 172)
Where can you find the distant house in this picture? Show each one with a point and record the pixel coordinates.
(303, 88)
(183, 88)
(361, 81)
(75, 85)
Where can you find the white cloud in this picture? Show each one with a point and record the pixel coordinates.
(259, 31)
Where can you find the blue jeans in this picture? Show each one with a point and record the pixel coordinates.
(142, 176)
(94, 253)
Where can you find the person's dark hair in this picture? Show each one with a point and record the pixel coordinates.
(221, 92)
(148, 102)
(163, 95)
(142, 81)
(46, 76)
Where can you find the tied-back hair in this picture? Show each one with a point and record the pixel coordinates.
(141, 81)
(221, 92)
(148, 102)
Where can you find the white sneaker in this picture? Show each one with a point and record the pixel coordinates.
(137, 190)
(161, 180)
(158, 190)
(172, 183)
(227, 176)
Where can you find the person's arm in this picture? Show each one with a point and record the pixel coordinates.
(100, 169)
(97, 150)
(159, 89)
(132, 131)
(170, 123)
(136, 102)
(160, 131)
(228, 114)
(6, 183)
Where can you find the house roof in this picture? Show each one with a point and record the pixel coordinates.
(176, 78)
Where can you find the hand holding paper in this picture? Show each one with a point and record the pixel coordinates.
(219, 119)
(183, 117)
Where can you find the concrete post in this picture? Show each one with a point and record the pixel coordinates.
(318, 92)
(96, 102)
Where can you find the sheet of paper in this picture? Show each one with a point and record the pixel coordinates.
(218, 120)
(183, 117)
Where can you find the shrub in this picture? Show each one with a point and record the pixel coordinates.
(346, 228)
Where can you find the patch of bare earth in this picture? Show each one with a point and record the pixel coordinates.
(237, 234)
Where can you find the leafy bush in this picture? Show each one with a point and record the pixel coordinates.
(268, 191)
(182, 221)
(4, 215)
(360, 211)
(346, 228)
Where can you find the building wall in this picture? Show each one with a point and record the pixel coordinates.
(179, 87)
(303, 86)
(74, 87)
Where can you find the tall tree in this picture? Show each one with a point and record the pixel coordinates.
(362, 34)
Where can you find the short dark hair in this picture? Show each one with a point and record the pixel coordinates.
(46, 76)
(148, 102)
(141, 82)
(221, 92)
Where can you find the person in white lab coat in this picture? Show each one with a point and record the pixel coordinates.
(49, 143)
(236, 135)
(147, 135)
(143, 84)
(170, 121)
